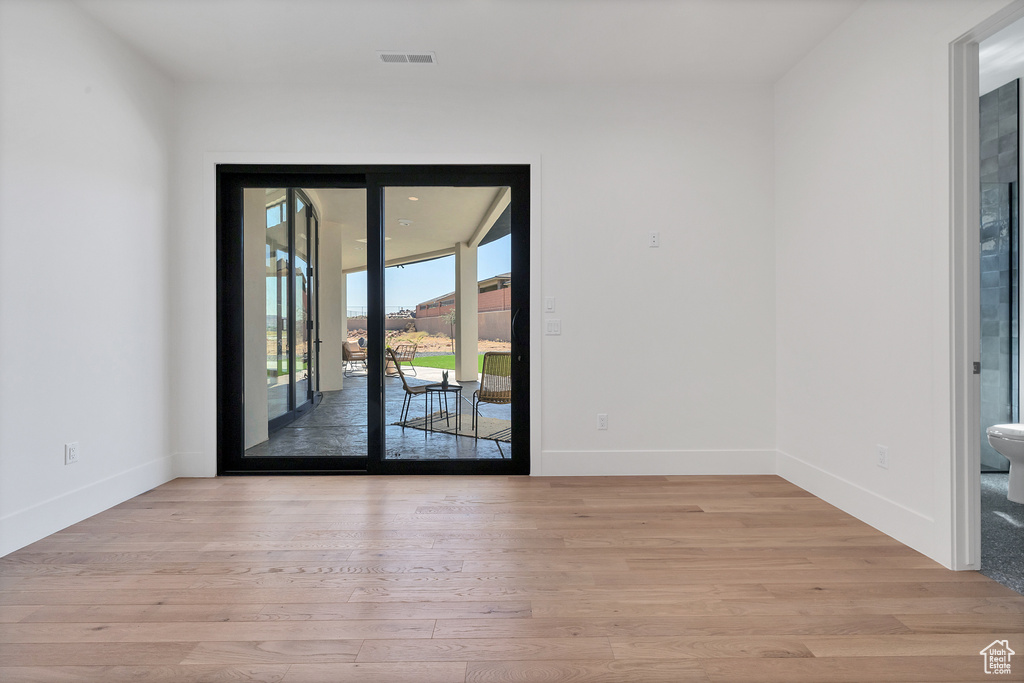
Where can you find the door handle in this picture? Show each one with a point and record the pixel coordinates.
(517, 335)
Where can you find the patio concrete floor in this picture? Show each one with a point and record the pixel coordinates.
(338, 426)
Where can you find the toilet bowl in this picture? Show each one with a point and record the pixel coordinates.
(1008, 440)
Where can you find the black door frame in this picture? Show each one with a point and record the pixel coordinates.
(232, 179)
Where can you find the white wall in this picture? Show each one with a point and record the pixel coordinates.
(824, 335)
(862, 267)
(693, 163)
(84, 331)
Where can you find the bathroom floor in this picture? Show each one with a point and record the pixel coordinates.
(1002, 532)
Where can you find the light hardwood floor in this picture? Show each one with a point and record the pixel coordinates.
(422, 579)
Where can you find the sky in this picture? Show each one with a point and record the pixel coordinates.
(406, 286)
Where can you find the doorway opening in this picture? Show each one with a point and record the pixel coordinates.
(385, 325)
(1001, 516)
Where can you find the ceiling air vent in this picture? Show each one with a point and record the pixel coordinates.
(392, 57)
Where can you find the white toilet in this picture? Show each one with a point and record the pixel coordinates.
(1008, 440)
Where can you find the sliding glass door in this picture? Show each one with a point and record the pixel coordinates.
(278, 262)
(385, 322)
(290, 229)
(448, 290)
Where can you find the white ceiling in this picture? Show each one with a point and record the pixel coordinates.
(437, 220)
(476, 41)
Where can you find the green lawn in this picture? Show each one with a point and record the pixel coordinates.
(444, 362)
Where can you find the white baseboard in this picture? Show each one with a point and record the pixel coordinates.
(38, 521)
(908, 526)
(626, 463)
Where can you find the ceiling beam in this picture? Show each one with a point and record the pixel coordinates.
(406, 260)
(502, 199)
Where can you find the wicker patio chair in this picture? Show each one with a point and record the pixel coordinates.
(495, 384)
(405, 353)
(353, 355)
(410, 391)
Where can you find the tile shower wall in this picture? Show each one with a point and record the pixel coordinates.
(999, 265)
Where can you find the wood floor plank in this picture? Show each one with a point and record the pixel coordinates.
(407, 591)
(772, 607)
(232, 569)
(724, 572)
(167, 653)
(946, 669)
(243, 555)
(13, 613)
(143, 613)
(421, 579)
(144, 674)
(274, 651)
(476, 649)
(899, 645)
(804, 591)
(493, 610)
(962, 623)
(242, 594)
(372, 672)
(587, 671)
(92, 632)
(709, 647)
(263, 673)
(539, 627)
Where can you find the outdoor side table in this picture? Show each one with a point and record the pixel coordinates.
(442, 391)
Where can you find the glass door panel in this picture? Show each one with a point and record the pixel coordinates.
(304, 398)
(301, 296)
(277, 257)
(447, 303)
(339, 423)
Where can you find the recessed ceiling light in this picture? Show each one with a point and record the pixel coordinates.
(404, 222)
(364, 240)
(414, 199)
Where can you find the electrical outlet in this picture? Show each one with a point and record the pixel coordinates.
(883, 456)
(602, 420)
(71, 453)
(654, 239)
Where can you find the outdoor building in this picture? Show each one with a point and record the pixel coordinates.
(494, 296)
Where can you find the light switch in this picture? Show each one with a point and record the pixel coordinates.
(553, 326)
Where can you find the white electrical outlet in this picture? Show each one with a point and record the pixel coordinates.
(883, 456)
(654, 239)
(602, 420)
(71, 453)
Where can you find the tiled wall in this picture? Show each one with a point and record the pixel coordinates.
(999, 264)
